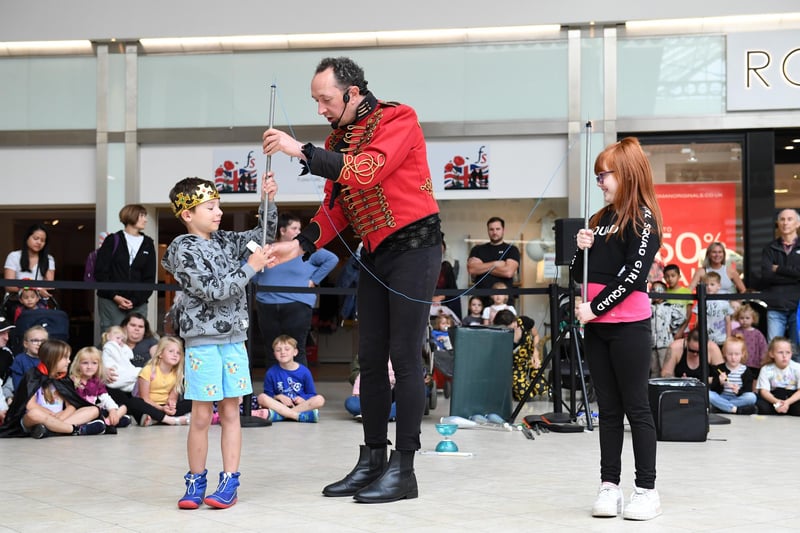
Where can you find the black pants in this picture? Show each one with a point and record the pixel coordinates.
(138, 407)
(619, 364)
(293, 319)
(766, 408)
(392, 317)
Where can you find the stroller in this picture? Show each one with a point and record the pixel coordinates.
(11, 305)
(440, 364)
(55, 321)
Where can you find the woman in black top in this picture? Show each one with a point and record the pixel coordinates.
(127, 256)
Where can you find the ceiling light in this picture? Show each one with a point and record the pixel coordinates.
(789, 147)
(45, 48)
(352, 39)
(715, 24)
(781, 191)
(796, 140)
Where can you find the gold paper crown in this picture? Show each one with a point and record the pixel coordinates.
(203, 193)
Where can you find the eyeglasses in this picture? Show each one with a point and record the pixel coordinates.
(602, 175)
(689, 350)
(35, 341)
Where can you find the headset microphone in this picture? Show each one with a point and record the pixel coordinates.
(345, 99)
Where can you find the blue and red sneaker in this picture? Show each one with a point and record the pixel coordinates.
(225, 495)
(195, 490)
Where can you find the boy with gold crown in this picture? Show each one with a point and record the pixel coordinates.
(213, 267)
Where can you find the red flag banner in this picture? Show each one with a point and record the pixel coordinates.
(695, 215)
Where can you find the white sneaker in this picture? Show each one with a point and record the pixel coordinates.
(645, 504)
(608, 502)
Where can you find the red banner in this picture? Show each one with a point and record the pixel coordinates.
(695, 215)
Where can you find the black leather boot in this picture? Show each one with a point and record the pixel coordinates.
(371, 464)
(396, 483)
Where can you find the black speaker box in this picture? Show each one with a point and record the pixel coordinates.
(566, 229)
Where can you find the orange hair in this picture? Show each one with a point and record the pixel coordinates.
(635, 178)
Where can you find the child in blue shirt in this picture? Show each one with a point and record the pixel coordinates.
(441, 332)
(289, 390)
(24, 361)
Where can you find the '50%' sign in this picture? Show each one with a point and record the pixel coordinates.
(687, 248)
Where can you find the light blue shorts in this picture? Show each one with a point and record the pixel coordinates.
(217, 371)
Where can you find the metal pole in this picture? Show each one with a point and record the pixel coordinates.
(587, 182)
(264, 197)
(247, 419)
(576, 352)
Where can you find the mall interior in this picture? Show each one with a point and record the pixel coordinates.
(106, 104)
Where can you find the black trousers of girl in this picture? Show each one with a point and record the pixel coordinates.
(392, 319)
(619, 364)
(766, 408)
(138, 407)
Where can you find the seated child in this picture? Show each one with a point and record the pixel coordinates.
(6, 395)
(87, 374)
(526, 354)
(753, 338)
(24, 361)
(778, 380)
(46, 403)
(6, 355)
(118, 357)
(6, 360)
(499, 302)
(160, 385)
(440, 332)
(289, 390)
(353, 403)
(474, 318)
(3, 408)
(28, 299)
(731, 389)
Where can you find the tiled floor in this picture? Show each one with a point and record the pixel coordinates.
(744, 478)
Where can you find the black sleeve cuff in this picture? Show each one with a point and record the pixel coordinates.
(323, 163)
(307, 241)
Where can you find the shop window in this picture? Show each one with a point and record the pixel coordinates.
(699, 188)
